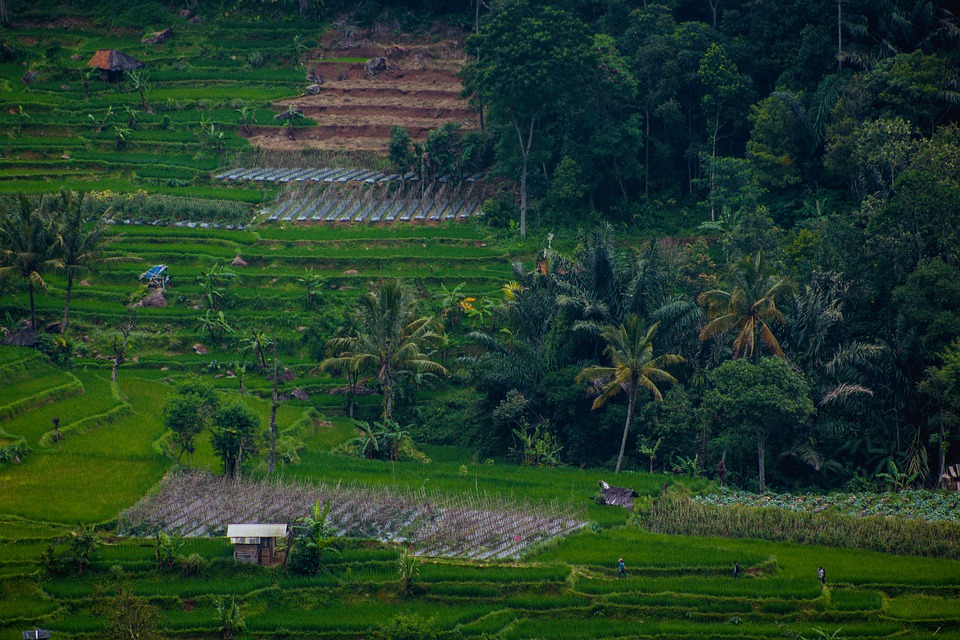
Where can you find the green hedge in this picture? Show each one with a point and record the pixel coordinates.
(675, 513)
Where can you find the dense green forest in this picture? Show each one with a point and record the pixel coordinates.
(815, 145)
(756, 206)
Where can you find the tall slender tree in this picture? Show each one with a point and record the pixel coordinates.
(390, 338)
(521, 51)
(27, 237)
(633, 367)
(79, 247)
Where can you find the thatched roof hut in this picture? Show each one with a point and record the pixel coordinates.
(113, 64)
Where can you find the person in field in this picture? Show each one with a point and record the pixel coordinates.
(736, 570)
(621, 569)
(822, 575)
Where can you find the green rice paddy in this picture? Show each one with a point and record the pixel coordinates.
(677, 586)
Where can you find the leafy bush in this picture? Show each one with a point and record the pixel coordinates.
(409, 627)
(72, 554)
(450, 418)
(500, 210)
(193, 565)
(60, 350)
(12, 451)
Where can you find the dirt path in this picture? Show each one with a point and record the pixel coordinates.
(419, 90)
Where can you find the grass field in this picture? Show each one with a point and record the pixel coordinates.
(677, 586)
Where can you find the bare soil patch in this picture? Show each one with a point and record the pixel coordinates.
(354, 111)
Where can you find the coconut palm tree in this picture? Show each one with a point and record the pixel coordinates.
(602, 285)
(747, 308)
(27, 237)
(633, 368)
(78, 248)
(390, 338)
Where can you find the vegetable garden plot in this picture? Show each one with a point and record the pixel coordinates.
(359, 197)
(196, 504)
(306, 174)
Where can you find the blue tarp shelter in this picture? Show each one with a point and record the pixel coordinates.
(156, 276)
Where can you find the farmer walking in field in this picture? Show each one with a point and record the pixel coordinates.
(621, 569)
(822, 575)
(736, 570)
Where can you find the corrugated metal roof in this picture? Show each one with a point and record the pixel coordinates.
(256, 531)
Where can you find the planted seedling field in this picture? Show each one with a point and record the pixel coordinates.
(480, 528)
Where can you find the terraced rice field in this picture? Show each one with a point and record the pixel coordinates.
(354, 110)
(194, 505)
(543, 586)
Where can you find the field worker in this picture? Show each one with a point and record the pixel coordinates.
(822, 575)
(621, 569)
(736, 570)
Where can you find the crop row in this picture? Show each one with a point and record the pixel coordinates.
(676, 513)
(921, 505)
(410, 203)
(196, 504)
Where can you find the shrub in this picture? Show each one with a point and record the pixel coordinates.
(499, 210)
(12, 451)
(409, 627)
(450, 418)
(193, 565)
(72, 554)
(59, 349)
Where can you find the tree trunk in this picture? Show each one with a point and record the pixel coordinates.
(941, 450)
(525, 156)
(273, 413)
(631, 407)
(33, 308)
(646, 155)
(3, 13)
(761, 449)
(353, 377)
(713, 169)
(839, 37)
(387, 398)
(387, 384)
(116, 365)
(66, 304)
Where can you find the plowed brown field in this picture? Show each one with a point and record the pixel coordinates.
(420, 91)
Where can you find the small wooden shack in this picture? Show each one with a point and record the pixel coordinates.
(256, 543)
(113, 64)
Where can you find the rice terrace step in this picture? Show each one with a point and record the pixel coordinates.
(360, 195)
